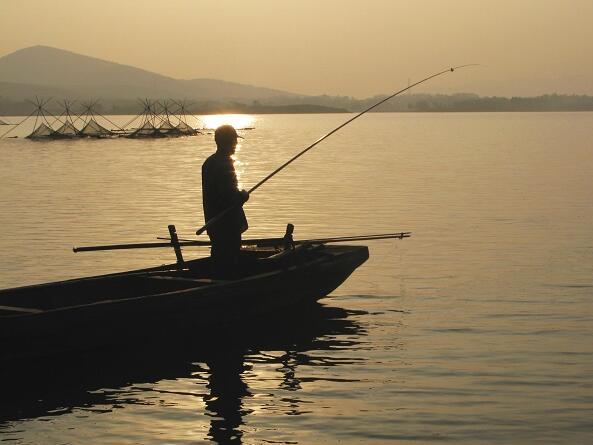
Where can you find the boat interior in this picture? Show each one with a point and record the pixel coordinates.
(169, 278)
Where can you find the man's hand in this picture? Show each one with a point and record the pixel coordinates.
(244, 196)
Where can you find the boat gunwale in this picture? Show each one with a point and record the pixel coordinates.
(145, 273)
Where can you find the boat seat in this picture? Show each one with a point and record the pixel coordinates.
(23, 310)
(201, 281)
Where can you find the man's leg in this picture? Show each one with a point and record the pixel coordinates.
(225, 255)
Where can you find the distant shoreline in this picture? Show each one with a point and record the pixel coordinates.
(413, 103)
(237, 111)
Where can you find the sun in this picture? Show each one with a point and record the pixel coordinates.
(238, 121)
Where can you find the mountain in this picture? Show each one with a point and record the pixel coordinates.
(18, 91)
(49, 72)
(79, 76)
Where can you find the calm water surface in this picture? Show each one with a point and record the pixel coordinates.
(478, 329)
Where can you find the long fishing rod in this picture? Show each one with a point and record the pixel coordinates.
(215, 219)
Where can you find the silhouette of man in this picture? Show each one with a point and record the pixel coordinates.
(219, 192)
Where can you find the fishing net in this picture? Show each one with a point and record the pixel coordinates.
(93, 128)
(185, 128)
(68, 129)
(43, 131)
(145, 130)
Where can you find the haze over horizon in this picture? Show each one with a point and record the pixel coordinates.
(345, 48)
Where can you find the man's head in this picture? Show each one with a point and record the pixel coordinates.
(226, 138)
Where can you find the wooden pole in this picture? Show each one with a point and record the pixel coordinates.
(176, 246)
(261, 242)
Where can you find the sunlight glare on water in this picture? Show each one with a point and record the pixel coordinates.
(238, 121)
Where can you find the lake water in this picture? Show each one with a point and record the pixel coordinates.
(477, 330)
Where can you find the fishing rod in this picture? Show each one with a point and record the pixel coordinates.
(215, 219)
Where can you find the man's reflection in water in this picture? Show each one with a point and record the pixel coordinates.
(324, 330)
(289, 362)
(227, 389)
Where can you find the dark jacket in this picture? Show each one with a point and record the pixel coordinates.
(220, 191)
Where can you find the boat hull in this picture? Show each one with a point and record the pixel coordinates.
(200, 306)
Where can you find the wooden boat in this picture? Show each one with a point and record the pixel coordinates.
(167, 301)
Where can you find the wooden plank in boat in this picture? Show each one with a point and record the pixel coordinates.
(202, 281)
(26, 310)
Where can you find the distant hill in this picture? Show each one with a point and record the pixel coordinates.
(49, 72)
(18, 91)
(79, 76)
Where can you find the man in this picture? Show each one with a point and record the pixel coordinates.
(220, 191)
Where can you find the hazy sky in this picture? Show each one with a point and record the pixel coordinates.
(337, 47)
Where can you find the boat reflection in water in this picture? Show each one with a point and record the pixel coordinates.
(222, 371)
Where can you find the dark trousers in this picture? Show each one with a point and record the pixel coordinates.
(225, 251)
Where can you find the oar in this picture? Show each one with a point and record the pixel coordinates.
(215, 219)
(261, 242)
(136, 246)
(254, 241)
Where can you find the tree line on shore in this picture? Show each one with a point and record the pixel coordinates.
(462, 102)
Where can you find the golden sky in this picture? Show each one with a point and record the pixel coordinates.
(337, 47)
